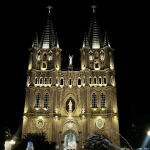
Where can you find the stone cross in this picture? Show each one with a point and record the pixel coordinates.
(93, 7)
(49, 7)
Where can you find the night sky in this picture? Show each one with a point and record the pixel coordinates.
(127, 28)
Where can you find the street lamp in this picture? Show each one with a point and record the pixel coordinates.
(148, 133)
(12, 142)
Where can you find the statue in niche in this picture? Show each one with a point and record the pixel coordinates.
(70, 106)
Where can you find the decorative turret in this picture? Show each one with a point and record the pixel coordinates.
(106, 41)
(56, 40)
(85, 41)
(35, 42)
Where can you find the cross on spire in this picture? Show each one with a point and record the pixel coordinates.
(93, 7)
(49, 7)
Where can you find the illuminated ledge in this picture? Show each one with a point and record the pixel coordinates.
(61, 86)
(70, 86)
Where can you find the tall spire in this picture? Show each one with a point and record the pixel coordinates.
(94, 35)
(106, 41)
(85, 41)
(48, 37)
(35, 42)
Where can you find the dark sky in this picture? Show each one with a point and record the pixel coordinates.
(128, 34)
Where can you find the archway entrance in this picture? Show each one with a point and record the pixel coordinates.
(70, 141)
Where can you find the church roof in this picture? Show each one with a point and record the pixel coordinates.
(94, 35)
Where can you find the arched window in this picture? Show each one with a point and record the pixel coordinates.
(79, 81)
(37, 104)
(46, 100)
(90, 80)
(61, 81)
(100, 80)
(94, 101)
(36, 80)
(40, 80)
(50, 81)
(45, 81)
(94, 80)
(69, 81)
(104, 79)
(102, 99)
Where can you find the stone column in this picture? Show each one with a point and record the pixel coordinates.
(106, 60)
(87, 78)
(32, 78)
(108, 81)
(86, 58)
(53, 79)
(34, 59)
(114, 81)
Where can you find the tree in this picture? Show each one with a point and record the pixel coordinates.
(39, 140)
(99, 141)
(3, 130)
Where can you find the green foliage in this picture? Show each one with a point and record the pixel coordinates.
(3, 130)
(99, 142)
(39, 140)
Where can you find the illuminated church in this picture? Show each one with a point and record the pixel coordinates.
(71, 105)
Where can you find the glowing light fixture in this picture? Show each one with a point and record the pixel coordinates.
(148, 133)
(94, 109)
(12, 142)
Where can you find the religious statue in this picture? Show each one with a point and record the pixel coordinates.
(70, 60)
(70, 106)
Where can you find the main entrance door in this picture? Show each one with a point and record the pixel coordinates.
(70, 142)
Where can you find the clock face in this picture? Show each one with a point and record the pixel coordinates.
(99, 123)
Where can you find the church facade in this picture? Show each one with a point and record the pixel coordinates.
(71, 105)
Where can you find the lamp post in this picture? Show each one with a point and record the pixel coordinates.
(148, 133)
